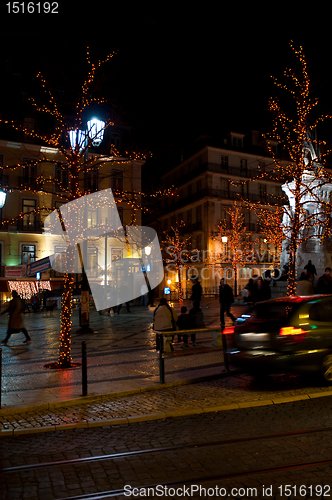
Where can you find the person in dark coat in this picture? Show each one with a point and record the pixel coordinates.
(226, 299)
(324, 284)
(15, 309)
(196, 291)
(184, 322)
(197, 319)
(311, 269)
(261, 290)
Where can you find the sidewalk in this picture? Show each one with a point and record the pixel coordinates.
(123, 377)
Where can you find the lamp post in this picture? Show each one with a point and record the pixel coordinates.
(80, 139)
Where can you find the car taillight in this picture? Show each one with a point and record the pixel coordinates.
(228, 330)
(292, 334)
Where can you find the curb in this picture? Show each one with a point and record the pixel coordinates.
(113, 395)
(159, 415)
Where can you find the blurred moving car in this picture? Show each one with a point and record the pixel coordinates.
(288, 334)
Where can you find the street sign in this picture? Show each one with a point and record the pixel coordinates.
(39, 266)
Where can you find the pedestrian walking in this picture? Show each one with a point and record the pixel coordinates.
(15, 309)
(196, 291)
(226, 299)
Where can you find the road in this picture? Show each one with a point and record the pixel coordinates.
(231, 436)
(245, 460)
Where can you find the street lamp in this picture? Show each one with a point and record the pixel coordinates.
(94, 131)
(147, 251)
(78, 138)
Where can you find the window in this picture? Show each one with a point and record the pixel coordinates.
(120, 212)
(237, 142)
(92, 261)
(117, 180)
(29, 220)
(243, 165)
(224, 161)
(92, 216)
(116, 253)
(116, 141)
(29, 173)
(28, 253)
(198, 213)
(91, 181)
(189, 217)
(61, 177)
(262, 191)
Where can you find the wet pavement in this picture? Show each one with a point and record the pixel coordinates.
(123, 376)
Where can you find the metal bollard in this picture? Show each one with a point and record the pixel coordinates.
(161, 359)
(84, 370)
(224, 348)
(0, 374)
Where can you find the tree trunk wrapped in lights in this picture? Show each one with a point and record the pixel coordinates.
(77, 162)
(65, 360)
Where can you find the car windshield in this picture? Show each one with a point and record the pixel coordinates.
(274, 311)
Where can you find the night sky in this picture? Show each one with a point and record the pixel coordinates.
(177, 74)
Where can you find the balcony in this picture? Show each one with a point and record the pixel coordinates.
(33, 225)
(30, 183)
(227, 195)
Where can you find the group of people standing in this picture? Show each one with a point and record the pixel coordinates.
(307, 284)
(166, 319)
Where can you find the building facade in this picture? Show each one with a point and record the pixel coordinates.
(208, 182)
(37, 181)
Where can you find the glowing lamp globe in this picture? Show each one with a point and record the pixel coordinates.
(96, 131)
(3, 195)
(77, 138)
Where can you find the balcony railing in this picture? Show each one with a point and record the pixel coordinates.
(29, 183)
(33, 225)
(228, 195)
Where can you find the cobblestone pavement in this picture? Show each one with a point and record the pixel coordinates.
(121, 356)
(117, 403)
(251, 458)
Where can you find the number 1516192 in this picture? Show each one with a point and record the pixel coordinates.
(32, 7)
